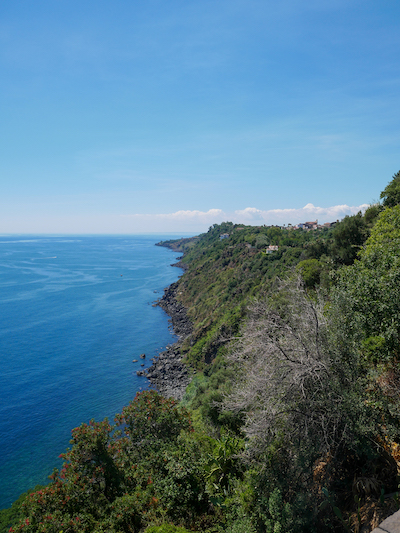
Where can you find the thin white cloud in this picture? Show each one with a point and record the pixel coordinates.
(183, 215)
(183, 220)
(199, 220)
(191, 215)
(294, 216)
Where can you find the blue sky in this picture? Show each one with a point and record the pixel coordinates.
(168, 116)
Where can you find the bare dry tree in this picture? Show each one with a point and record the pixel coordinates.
(288, 379)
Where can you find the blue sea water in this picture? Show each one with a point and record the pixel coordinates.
(74, 313)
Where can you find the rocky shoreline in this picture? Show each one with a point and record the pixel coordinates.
(168, 374)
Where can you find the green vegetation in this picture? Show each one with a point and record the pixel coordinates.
(292, 421)
(391, 194)
(15, 513)
(146, 468)
(225, 274)
(166, 528)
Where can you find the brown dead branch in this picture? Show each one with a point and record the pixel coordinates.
(286, 378)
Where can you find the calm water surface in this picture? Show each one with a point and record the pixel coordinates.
(74, 312)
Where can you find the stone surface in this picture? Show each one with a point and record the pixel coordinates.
(390, 525)
(168, 374)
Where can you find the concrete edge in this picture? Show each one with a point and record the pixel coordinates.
(389, 525)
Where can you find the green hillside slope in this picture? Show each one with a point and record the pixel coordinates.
(291, 422)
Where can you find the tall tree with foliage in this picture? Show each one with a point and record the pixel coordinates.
(118, 480)
(292, 378)
(371, 288)
(348, 237)
(305, 397)
(391, 194)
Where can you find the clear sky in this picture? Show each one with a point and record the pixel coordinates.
(170, 115)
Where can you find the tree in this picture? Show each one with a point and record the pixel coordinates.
(310, 270)
(301, 390)
(117, 480)
(307, 402)
(291, 379)
(372, 213)
(151, 421)
(391, 194)
(371, 288)
(348, 237)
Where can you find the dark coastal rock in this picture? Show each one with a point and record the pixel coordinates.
(179, 320)
(181, 265)
(168, 374)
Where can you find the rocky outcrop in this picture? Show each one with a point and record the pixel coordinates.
(168, 374)
(178, 317)
(180, 264)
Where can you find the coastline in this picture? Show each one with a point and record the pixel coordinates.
(168, 374)
(87, 368)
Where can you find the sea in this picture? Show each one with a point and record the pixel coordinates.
(75, 311)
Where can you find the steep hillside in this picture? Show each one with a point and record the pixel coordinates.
(231, 264)
(291, 421)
